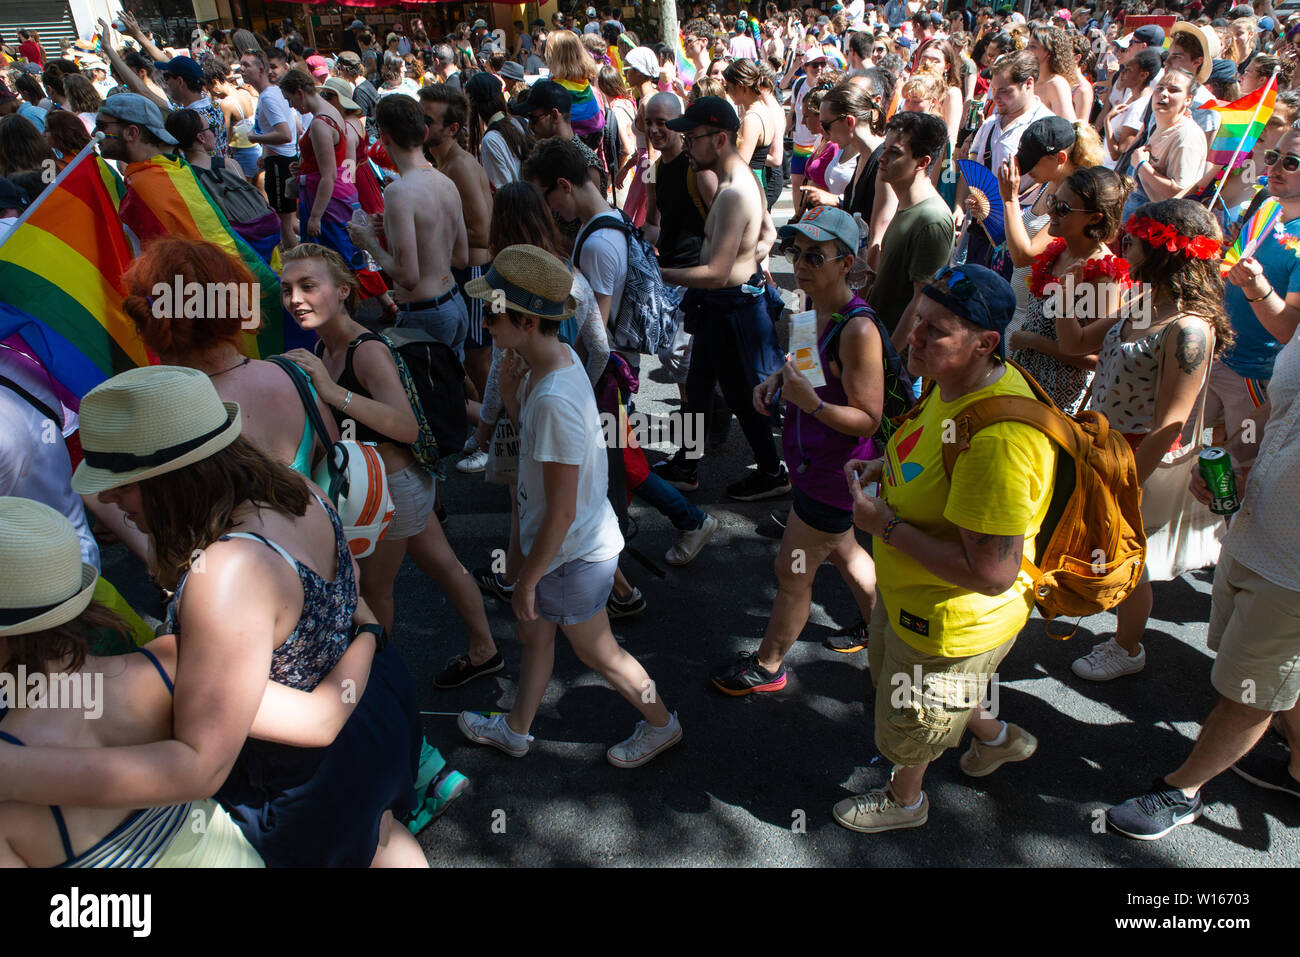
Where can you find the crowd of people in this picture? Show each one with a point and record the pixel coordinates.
(550, 208)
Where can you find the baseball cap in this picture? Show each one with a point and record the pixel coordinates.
(1241, 10)
(543, 95)
(977, 295)
(356, 25)
(348, 56)
(824, 223)
(139, 110)
(904, 42)
(479, 25)
(1044, 137)
(512, 70)
(12, 196)
(936, 18)
(814, 55)
(644, 61)
(183, 67)
(319, 68)
(1152, 35)
(1266, 24)
(1223, 71)
(707, 111)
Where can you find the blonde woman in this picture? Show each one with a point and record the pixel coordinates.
(924, 93)
(573, 68)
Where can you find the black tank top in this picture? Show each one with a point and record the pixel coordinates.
(681, 224)
(348, 380)
(758, 161)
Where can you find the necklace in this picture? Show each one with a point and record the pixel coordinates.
(242, 362)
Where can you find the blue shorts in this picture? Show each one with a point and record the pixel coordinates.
(797, 164)
(247, 158)
(819, 516)
(576, 591)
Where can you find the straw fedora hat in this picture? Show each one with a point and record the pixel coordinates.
(343, 90)
(147, 422)
(1208, 40)
(45, 583)
(531, 280)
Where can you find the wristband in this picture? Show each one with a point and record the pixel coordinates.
(821, 404)
(1263, 297)
(888, 530)
(381, 636)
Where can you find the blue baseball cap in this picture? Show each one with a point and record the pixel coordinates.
(182, 66)
(977, 295)
(824, 223)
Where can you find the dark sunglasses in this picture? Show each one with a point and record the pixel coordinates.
(1058, 208)
(814, 259)
(956, 282)
(1290, 162)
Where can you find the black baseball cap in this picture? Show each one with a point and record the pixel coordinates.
(707, 111)
(12, 196)
(544, 95)
(977, 295)
(1043, 137)
(1152, 35)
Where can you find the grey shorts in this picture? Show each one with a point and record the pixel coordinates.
(576, 591)
(448, 322)
(414, 492)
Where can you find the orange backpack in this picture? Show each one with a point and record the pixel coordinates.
(1091, 547)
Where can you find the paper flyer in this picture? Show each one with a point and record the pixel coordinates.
(803, 347)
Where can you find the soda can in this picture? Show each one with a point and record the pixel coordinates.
(1216, 468)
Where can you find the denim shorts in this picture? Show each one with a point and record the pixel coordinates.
(446, 323)
(576, 591)
(820, 516)
(246, 158)
(415, 493)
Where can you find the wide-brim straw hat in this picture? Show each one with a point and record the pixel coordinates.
(45, 583)
(1209, 41)
(342, 89)
(147, 422)
(527, 279)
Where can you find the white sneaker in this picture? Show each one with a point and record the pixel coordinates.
(482, 729)
(690, 541)
(1108, 660)
(470, 446)
(474, 462)
(646, 742)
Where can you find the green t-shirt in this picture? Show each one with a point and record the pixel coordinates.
(917, 244)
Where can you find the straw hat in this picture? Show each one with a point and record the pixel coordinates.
(45, 583)
(343, 90)
(1208, 40)
(530, 279)
(148, 422)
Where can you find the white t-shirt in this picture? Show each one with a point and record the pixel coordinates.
(560, 424)
(604, 262)
(499, 161)
(272, 110)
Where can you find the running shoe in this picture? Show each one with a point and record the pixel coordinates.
(678, 474)
(758, 485)
(633, 603)
(848, 640)
(647, 743)
(491, 583)
(746, 676)
(1151, 816)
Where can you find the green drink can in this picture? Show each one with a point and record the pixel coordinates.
(1216, 469)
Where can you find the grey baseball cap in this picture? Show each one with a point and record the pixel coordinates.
(134, 108)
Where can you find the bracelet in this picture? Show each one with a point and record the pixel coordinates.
(821, 404)
(888, 530)
(1263, 297)
(346, 401)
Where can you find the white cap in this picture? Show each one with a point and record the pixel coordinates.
(644, 61)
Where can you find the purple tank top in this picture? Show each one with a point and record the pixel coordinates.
(815, 453)
(815, 170)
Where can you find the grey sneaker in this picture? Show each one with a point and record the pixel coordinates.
(981, 760)
(690, 542)
(879, 810)
(493, 730)
(646, 743)
(475, 461)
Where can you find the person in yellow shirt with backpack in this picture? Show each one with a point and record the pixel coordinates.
(949, 550)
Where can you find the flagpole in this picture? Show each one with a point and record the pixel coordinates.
(1228, 169)
(45, 193)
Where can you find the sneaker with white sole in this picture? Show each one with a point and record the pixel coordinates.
(646, 743)
(690, 541)
(493, 730)
(879, 810)
(1150, 816)
(1108, 660)
(981, 759)
(476, 461)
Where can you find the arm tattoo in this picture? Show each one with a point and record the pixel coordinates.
(1005, 543)
(1190, 351)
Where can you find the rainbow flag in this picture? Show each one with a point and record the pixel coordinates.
(685, 68)
(1252, 234)
(61, 279)
(1241, 122)
(585, 114)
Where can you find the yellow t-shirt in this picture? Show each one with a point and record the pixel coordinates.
(1001, 485)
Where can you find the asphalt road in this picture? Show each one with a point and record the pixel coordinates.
(754, 779)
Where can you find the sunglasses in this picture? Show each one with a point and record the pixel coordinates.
(1058, 208)
(956, 282)
(827, 124)
(1290, 162)
(814, 259)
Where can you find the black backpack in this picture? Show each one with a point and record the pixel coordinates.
(899, 397)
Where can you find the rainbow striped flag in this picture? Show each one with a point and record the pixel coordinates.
(685, 68)
(61, 279)
(1252, 234)
(1241, 122)
(585, 114)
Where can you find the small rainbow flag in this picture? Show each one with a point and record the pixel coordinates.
(1252, 234)
(685, 68)
(61, 275)
(1241, 122)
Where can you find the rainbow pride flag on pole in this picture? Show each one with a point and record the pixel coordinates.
(61, 278)
(685, 68)
(1250, 237)
(1241, 122)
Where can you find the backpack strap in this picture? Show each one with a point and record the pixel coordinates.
(302, 384)
(614, 220)
(34, 402)
(693, 188)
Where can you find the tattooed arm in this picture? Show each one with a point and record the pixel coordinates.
(1186, 351)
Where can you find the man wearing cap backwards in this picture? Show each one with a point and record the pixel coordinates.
(423, 226)
(948, 551)
(726, 306)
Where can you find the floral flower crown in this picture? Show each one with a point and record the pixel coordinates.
(1162, 235)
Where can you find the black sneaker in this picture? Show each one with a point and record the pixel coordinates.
(680, 475)
(782, 518)
(633, 603)
(848, 640)
(746, 676)
(491, 583)
(1151, 816)
(459, 671)
(1268, 772)
(756, 485)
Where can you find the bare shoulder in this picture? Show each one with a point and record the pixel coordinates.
(1190, 341)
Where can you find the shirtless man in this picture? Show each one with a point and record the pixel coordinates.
(422, 211)
(726, 305)
(445, 113)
